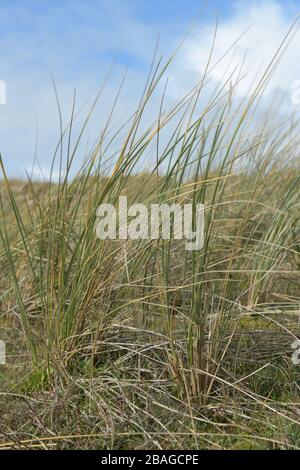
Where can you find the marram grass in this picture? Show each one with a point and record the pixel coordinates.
(141, 344)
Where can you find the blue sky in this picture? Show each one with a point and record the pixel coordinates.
(75, 41)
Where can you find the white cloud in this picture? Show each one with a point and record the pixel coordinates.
(263, 26)
(75, 41)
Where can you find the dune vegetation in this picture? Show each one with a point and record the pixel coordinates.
(140, 344)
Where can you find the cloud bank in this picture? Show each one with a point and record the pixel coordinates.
(76, 42)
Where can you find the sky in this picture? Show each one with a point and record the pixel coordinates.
(74, 43)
